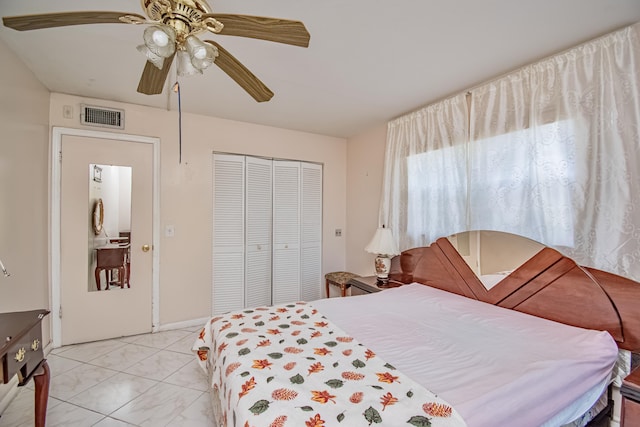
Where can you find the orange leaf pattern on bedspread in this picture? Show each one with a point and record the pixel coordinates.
(289, 366)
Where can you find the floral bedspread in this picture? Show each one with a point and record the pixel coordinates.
(288, 365)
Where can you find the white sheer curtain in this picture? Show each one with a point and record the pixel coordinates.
(552, 154)
(420, 147)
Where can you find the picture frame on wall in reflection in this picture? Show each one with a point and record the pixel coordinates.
(97, 173)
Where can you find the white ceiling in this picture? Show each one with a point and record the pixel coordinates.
(368, 61)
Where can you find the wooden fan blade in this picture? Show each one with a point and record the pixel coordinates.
(152, 79)
(64, 19)
(241, 74)
(259, 27)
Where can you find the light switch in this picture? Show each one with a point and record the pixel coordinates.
(169, 231)
(338, 232)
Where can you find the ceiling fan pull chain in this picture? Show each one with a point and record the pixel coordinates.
(176, 89)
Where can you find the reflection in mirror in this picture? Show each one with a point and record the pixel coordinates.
(493, 255)
(109, 233)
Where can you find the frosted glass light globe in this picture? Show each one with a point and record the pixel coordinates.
(160, 38)
(200, 53)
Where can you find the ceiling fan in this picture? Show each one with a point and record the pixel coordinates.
(171, 32)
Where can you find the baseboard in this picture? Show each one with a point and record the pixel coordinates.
(184, 324)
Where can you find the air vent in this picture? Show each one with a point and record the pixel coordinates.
(102, 117)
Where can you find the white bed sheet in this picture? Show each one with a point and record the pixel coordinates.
(497, 367)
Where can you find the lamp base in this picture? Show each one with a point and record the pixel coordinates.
(383, 265)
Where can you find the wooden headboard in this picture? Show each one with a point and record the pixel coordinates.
(548, 285)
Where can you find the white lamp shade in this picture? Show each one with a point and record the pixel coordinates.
(382, 243)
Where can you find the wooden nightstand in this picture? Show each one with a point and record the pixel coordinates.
(368, 285)
(630, 390)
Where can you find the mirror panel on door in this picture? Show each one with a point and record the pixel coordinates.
(109, 242)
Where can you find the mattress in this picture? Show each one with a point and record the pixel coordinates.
(495, 366)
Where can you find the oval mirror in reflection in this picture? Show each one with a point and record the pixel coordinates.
(493, 255)
(110, 227)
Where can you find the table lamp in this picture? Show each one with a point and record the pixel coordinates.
(385, 248)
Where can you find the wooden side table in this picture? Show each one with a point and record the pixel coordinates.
(21, 353)
(338, 278)
(630, 390)
(370, 284)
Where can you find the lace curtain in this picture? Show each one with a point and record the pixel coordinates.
(550, 152)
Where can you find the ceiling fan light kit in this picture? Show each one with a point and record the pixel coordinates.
(172, 30)
(185, 67)
(160, 40)
(156, 60)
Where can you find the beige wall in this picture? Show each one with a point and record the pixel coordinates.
(365, 155)
(186, 190)
(24, 229)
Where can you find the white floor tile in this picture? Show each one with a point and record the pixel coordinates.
(91, 350)
(124, 357)
(161, 340)
(68, 415)
(77, 380)
(199, 413)
(115, 383)
(112, 422)
(112, 393)
(190, 375)
(160, 365)
(59, 365)
(21, 411)
(184, 345)
(158, 406)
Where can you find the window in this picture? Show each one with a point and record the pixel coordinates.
(513, 182)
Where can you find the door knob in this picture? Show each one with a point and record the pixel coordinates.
(145, 248)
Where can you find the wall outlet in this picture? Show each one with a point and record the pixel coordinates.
(338, 232)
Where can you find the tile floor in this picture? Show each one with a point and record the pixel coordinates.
(144, 380)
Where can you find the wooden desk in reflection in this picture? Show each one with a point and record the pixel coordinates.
(113, 256)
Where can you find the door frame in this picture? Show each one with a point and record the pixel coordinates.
(55, 238)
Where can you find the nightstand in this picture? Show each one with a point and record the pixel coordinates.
(368, 285)
(630, 390)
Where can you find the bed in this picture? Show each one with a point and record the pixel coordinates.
(537, 348)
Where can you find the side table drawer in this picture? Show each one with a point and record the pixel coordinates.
(24, 355)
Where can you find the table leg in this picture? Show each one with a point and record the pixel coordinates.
(97, 274)
(41, 378)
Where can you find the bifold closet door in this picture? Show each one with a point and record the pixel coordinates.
(286, 232)
(258, 222)
(228, 233)
(311, 232)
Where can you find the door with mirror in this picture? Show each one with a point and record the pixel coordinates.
(106, 217)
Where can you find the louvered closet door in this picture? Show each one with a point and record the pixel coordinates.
(228, 233)
(286, 232)
(311, 232)
(259, 220)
